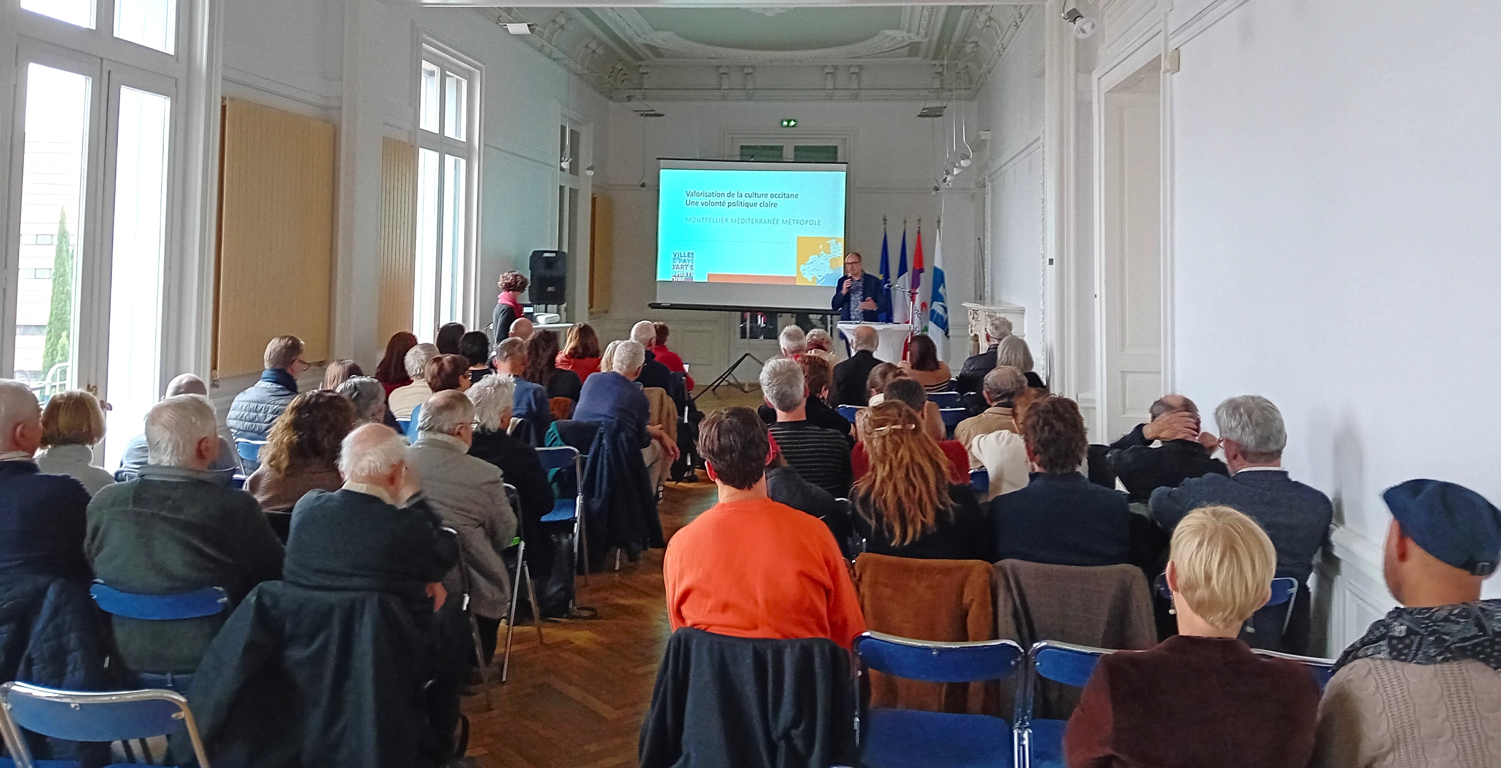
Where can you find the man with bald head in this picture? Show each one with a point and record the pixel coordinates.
(1165, 451)
(522, 329)
(850, 376)
(136, 455)
(42, 517)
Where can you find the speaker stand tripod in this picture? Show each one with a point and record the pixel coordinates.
(728, 376)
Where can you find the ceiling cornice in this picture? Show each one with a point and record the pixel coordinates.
(885, 41)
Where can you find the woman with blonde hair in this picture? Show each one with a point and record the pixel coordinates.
(905, 505)
(340, 371)
(72, 422)
(302, 450)
(1201, 697)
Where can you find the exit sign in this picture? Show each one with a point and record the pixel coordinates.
(789, 123)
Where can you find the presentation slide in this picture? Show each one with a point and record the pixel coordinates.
(750, 235)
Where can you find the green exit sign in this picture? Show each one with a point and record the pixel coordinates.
(789, 123)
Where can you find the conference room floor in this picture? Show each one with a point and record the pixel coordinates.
(578, 700)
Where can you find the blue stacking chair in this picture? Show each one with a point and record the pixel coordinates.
(100, 717)
(1039, 742)
(402, 425)
(898, 738)
(979, 479)
(564, 510)
(951, 418)
(1284, 590)
(946, 399)
(209, 601)
(411, 426)
(849, 412)
(249, 450)
(1322, 669)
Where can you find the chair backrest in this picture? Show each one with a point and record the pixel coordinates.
(209, 601)
(1065, 662)
(945, 399)
(557, 458)
(249, 450)
(402, 425)
(849, 412)
(952, 416)
(237, 480)
(1283, 589)
(937, 662)
(1322, 669)
(411, 427)
(979, 479)
(99, 717)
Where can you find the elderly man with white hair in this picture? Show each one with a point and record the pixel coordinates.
(469, 494)
(821, 456)
(136, 454)
(179, 527)
(41, 516)
(792, 342)
(820, 343)
(850, 376)
(653, 373)
(404, 399)
(972, 373)
(1294, 515)
(616, 396)
(368, 396)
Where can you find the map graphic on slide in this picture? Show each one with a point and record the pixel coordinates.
(820, 260)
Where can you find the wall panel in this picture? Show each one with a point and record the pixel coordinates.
(398, 235)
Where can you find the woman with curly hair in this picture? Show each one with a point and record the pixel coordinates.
(508, 305)
(580, 351)
(302, 450)
(905, 505)
(542, 367)
(391, 372)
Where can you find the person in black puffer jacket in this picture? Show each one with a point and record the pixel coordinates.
(253, 411)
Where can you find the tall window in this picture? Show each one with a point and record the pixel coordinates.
(447, 170)
(97, 139)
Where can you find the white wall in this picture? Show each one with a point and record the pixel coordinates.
(1335, 228)
(894, 158)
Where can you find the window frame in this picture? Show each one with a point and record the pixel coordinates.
(470, 148)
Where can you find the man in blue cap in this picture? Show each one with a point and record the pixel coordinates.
(1423, 686)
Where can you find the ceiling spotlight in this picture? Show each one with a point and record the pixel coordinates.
(518, 27)
(1083, 25)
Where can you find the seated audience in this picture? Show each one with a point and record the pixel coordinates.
(1000, 389)
(821, 344)
(447, 340)
(72, 423)
(792, 341)
(542, 367)
(42, 517)
(338, 372)
(972, 373)
(368, 399)
(530, 404)
(821, 456)
(785, 486)
(253, 411)
(302, 452)
(403, 399)
(817, 376)
(508, 307)
(910, 393)
(879, 377)
(851, 376)
(1423, 686)
(1294, 515)
(1013, 351)
(446, 372)
(1143, 468)
(1002, 453)
(748, 566)
(669, 358)
(615, 396)
(474, 346)
(522, 328)
(907, 504)
(391, 372)
(580, 351)
(924, 366)
(607, 358)
(493, 398)
(653, 373)
(178, 528)
(1202, 697)
(1060, 518)
(136, 453)
(469, 494)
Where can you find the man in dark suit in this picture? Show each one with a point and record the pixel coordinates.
(1060, 518)
(1143, 467)
(972, 375)
(850, 376)
(860, 297)
(42, 517)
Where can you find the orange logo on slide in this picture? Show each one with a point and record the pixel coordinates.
(820, 260)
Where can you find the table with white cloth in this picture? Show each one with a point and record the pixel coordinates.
(893, 338)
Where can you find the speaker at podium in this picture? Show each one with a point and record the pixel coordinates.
(549, 278)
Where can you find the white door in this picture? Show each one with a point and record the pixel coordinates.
(1131, 239)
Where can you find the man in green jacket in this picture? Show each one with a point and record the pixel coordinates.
(178, 528)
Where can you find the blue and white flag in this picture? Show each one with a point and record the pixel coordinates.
(938, 312)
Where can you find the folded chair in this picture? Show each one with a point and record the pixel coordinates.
(122, 716)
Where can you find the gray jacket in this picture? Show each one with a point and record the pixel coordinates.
(470, 495)
(77, 462)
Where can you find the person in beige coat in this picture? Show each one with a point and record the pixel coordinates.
(1423, 686)
(470, 495)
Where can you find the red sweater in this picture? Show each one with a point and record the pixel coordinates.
(673, 362)
(958, 461)
(1192, 702)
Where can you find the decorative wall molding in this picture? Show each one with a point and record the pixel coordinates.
(885, 41)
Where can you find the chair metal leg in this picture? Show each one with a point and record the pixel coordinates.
(479, 657)
(505, 666)
(581, 543)
(531, 593)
